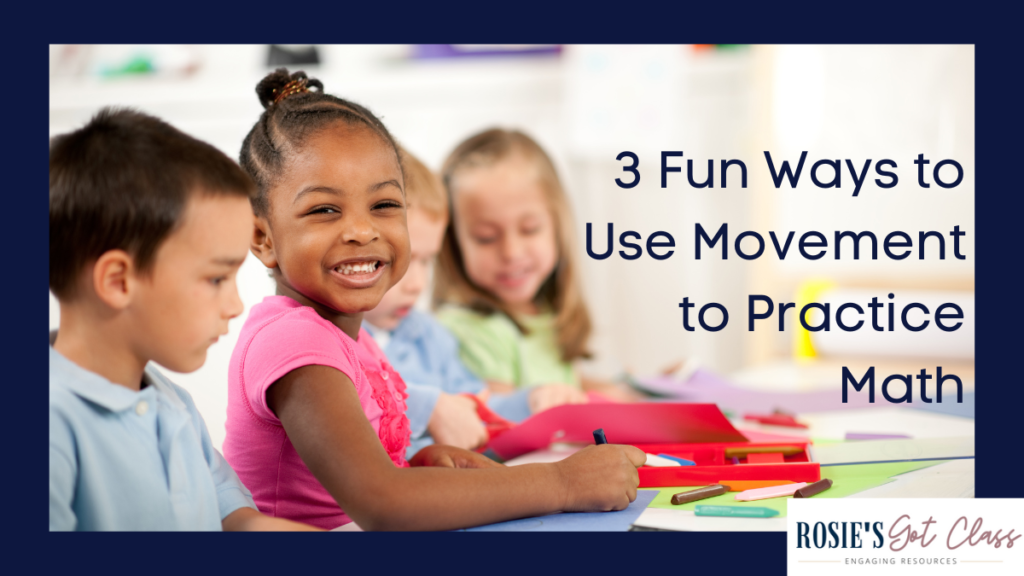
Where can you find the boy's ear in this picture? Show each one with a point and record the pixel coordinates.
(113, 278)
(262, 245)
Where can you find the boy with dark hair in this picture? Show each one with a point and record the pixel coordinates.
(148, 227)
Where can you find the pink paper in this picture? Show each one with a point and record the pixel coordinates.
(641, 423)
(770, 492)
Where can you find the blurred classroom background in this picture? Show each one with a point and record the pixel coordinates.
(585, 104)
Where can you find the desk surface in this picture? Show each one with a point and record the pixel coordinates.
(929, 479)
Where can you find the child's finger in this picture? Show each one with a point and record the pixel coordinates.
(443, 460)
(636, 456)
(474, 460)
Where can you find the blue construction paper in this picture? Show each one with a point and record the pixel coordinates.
(577, 521)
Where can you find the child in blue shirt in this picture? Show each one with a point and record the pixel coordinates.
(148, 228)
(420, 348)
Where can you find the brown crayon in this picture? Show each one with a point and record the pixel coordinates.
(812, 489)
(742, 451)
(699, 494)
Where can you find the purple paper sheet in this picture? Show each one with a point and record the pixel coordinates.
(428, 51)
(868, 436)
(705, 386)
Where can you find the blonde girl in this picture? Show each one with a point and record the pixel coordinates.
(507, 282)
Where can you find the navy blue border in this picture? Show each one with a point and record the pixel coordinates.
(997, 227)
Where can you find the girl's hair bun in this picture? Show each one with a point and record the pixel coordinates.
(270, 87)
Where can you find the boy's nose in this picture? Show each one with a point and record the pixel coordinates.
(234, 306)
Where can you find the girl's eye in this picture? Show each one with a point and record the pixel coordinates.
(487, 240)
(324, 210)
(217, 281)
(387, 204)
(531, 231)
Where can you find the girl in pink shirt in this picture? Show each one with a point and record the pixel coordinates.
(316, 423)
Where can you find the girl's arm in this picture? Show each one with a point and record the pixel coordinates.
(320, 411)
(249, 520)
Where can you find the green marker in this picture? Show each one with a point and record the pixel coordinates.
(735, 511)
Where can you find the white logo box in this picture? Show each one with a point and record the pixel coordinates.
(975, 537)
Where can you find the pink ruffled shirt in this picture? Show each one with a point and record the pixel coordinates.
(279, 336)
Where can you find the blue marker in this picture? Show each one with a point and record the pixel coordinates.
(682, 461)
(599, 437)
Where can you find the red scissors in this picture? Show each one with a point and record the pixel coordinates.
(494, 424)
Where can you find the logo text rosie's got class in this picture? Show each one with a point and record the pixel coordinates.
(902, 533)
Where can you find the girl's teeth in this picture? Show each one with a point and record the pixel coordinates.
(363, 268)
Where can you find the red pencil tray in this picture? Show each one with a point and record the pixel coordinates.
(712, 465)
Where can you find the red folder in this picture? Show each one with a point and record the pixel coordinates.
(640, 423)
(712, 467)
(696, 432)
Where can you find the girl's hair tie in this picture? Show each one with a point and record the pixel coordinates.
(293, 87)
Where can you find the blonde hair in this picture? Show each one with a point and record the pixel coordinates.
(423, 189)
(562, 290)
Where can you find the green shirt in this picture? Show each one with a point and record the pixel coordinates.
(494, 349)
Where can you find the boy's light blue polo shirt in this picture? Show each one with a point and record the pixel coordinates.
(124, 460)
(427, 357)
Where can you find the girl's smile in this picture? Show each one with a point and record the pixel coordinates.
(359, 272)
(515, 278)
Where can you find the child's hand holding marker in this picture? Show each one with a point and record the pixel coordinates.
(595, 476)
(601, 478)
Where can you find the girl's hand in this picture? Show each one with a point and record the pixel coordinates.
(451, 457)
(551, 395)
(454, 422)
(601, 478)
